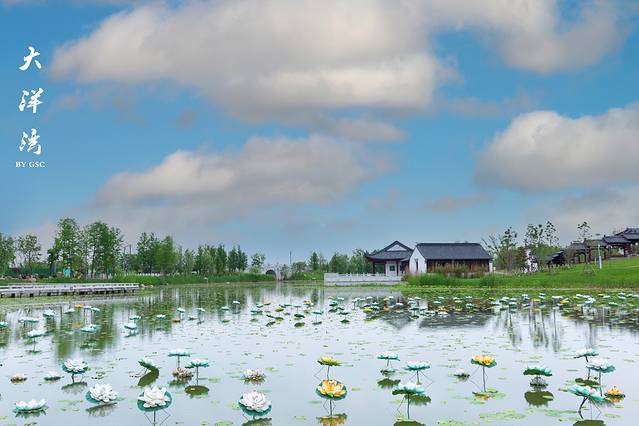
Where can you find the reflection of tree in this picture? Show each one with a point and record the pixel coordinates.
(507, 320)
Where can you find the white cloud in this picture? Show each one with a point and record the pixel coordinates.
(531, 34)
(605, 210)
(204, 188)
(280, 58)
(543, 151)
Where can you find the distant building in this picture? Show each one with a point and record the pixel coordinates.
(399, 258)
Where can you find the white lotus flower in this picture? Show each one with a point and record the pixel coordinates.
(255, 401)
(256, 374)
(179, 352)
(586, 352)
(103, 393)
(75, 365)
(48, 313)
(35, 333)
(19, 377)
(154, 397)
(32, 405)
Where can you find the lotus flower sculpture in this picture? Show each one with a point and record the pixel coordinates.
(197, 364)
(417, 367)
(587, 393)
(409, 390)
(328, 362)
(585, 353)
(461, 373)
(601, 366)
(538, 371)
(89, 328)
(75, 366)
(154, 398)
(182, 373)
(30, 406)
(4, 324)
(179, 353)
(18, 378)
(149, 364)
(102, 394)
(484, 361)
(615, 394)
(52, 376)
(254, 376)
(388, 357)
(255, 404)
(331, 389)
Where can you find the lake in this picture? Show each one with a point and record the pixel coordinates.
(272, 327)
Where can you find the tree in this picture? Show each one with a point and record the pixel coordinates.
(147, 247)
(257, 262)
(551, 234)
(188, 262)
(7, 253)
(242, 260)
(165, 256)
(504, 250)
(313, 262)
(338, 263)
(220, 260)
(104, 247)
(584, 231)
(298, 267)
(67, 245)
(358, 263)
(29, 247)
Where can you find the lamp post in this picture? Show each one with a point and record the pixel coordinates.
(599, 251)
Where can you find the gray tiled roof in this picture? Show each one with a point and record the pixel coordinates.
(453, 251)
(386, 254)
(615, 239)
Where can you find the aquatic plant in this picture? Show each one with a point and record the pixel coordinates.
(30, 406)
(255, 404)
(131, 326)
(102, 394)
(89, 328)
(417, 367)
(331, 389)
(182, 373)
(197, 364)
(615, 393)
(461, 373)
(586, 392)
(409, 390)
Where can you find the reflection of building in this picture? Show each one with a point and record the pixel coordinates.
(398, 258)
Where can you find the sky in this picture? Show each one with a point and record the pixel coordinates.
(297, 125)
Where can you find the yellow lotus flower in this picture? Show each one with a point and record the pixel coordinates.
(614, 392)
(484, 359)
(331, 388)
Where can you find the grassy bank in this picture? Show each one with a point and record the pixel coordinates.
(164, 279)
(616, 273)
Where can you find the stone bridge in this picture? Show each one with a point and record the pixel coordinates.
(275, 270)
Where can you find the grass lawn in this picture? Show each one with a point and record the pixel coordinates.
(616, 273)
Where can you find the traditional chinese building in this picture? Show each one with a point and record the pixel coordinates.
(399, 258)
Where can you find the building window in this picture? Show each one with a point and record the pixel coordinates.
(391, 268)
(416, 265)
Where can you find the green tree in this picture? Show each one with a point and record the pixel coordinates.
(7, 253)
(339, 263)
(220, 260)
(313, 262)
(165, 256)
(104, 247)
(29, 247)
(188, 262)
(358, 264)
(147, 247)
(583, 230)
(257, 262)
(242, 260)
(298, 267)
(233, 260)
(67, 245)
(504, 250)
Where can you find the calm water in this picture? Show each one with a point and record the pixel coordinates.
(234, 340)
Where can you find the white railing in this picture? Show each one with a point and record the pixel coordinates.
(333, 278)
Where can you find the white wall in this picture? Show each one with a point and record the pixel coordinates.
(387, 268)
(417, 263)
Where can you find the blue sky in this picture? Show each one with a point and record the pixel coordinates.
(280, 127)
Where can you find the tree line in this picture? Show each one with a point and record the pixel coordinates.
(98, 250)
